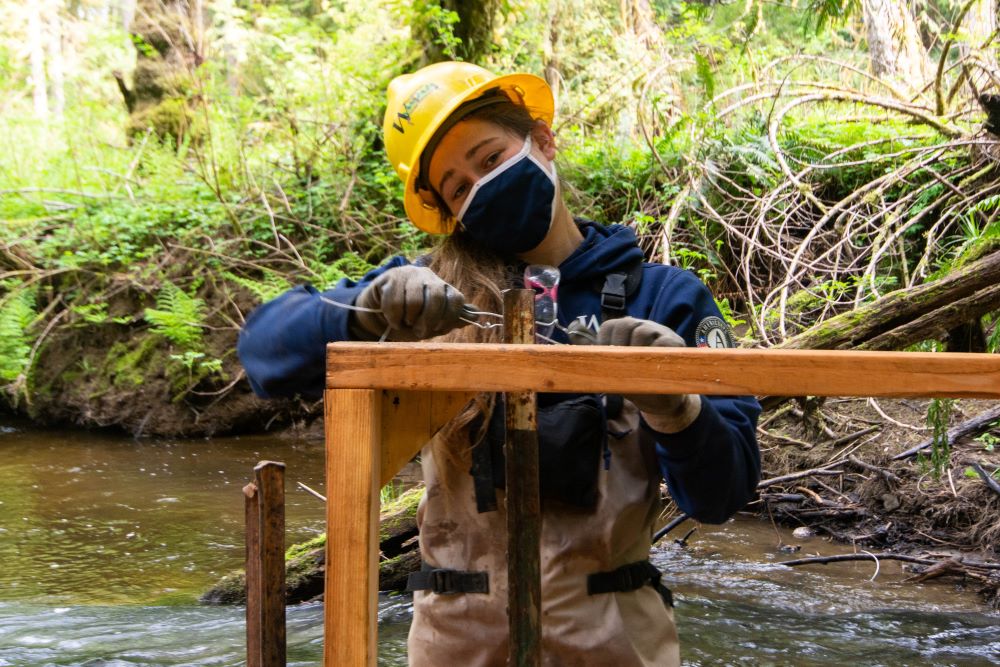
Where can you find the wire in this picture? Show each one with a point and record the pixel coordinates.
(360, 309)
(482, 325)
(470, 311)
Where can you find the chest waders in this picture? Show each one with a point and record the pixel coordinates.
(602, 600)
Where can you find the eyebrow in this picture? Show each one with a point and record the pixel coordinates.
(468, 156)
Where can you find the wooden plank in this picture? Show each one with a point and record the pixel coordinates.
(524, 514)
(251, 514)
(270, 483)
(353, 436)
(409, 420)
(471, 367)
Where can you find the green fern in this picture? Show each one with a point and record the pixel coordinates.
(985, 205)
(17, 312)
(271, 286)
(177, 317)
(350, 265)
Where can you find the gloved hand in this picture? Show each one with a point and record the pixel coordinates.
(412, 301)
(668, 413)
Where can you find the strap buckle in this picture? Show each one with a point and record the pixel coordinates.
(443, 582)
(613, 292)
(631, 578)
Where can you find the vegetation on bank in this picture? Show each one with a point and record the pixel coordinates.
(745, 143)
(161, 174)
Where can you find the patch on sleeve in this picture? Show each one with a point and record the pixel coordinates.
(714, 332)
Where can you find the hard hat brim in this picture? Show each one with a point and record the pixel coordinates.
(531, 91)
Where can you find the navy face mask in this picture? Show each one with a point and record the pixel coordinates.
(510, 209)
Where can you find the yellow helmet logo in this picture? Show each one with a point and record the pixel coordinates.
(410, 104)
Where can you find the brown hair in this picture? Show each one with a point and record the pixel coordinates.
(481, 276)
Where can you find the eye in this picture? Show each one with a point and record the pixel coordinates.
(492, 158)
(459, 191)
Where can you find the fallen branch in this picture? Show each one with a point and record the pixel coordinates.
(850, 437)
(868, 466)
(670, 526)
(990, 482)
(898, 309)
(825, 470)
(976, 425)
(823, 560)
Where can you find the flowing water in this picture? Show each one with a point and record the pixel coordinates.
(106, 543)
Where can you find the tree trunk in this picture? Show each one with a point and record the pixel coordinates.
(894, 43)
(166, 37)
(474, 31)
(36, 52)
(56, 75)
(906, 317)
(640, 20)
(550, 51)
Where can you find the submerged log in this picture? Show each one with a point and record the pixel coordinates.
(305, 563)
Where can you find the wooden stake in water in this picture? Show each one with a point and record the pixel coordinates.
(524, 519)
(265, 565)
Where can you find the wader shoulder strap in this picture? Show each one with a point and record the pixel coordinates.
(447, 582)
(618, 287)
(627, 578)
(616, 290)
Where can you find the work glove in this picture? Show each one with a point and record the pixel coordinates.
(667, 413)
(411, 301)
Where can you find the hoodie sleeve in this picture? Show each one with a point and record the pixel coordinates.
(712, 467)
(282, 345)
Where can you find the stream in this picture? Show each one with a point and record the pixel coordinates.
(106, 543)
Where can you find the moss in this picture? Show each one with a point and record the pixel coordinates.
(170, 118)
(803, 301)
(231, 589)
(399, 513)
(125, 367)
(302, 548)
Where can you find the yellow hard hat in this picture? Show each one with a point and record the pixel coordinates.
(421, 102)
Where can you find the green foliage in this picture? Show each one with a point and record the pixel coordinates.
(195, 361)
(824, 13)
(271, 286)
(992, 324)
(389, 493)
(178, 317)
(705, 75)
(437, 22)
(17, 312)
(288, 182)
(938, 416)
(988, 440)
(97, 313)
(350, 265)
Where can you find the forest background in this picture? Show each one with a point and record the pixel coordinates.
(167, 165)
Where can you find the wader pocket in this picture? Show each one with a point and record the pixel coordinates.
(571, 441)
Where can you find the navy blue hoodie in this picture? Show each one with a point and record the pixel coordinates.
(712, 467)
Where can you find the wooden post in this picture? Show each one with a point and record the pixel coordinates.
(265, 567)
(353, 443)
(524, 521)
(251, 507)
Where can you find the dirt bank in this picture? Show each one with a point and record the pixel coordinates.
(832, 466)
(120, 373)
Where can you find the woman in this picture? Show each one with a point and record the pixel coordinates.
(475, 152)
